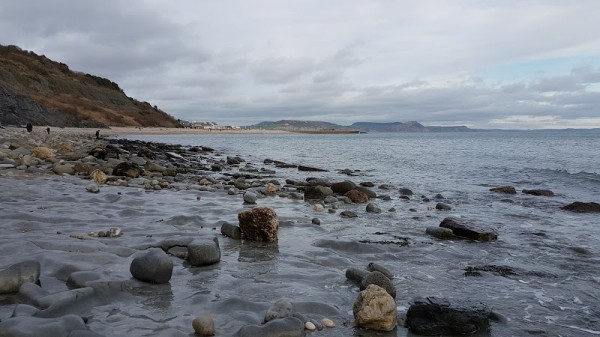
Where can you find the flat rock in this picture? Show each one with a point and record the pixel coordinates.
(441, 233)
(469, 231)
(310, 169)
(348, 214)
(434, 316)
(539, 192)
(440, 206)
(583, 207)
(24, 326)
(153, 266)
(204, 252)
(17, 274)
(504, 189)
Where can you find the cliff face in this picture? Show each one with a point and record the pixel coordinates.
(38, 90)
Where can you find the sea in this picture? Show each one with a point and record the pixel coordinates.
(543, 272)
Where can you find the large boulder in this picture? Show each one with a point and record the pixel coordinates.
(357, 196)
(204, 252)
(375, 309)
(370, 194)
(433, 316)
(259, 224)
(125, 169)
(35, 326)
(343, 187)
(469, 231)
(317, 192)
(504, 189)
(14, 276)
(153, 266)
(582, 207)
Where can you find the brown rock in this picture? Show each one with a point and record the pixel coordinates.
(357, 196)
(504, 189)
(98, 177)
(259, 224)
(375, 309)
(583, 207)
(469, 231)
(80, 167)
(65, 147)
(270, 188)
(542, 193)
(42, 152)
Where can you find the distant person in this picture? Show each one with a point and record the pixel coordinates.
(48, 130)
(97, 134)
(29, 127)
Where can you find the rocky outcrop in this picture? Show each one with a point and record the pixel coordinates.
(434, 316)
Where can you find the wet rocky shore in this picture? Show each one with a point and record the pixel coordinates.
(107, 237)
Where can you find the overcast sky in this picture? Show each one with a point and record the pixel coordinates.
(481, 63)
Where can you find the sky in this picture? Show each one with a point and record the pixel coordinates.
(514, 64)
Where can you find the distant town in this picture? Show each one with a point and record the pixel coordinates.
(207, 125)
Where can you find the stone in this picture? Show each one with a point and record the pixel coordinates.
(504, 189)
(539, 192)
(316, 221)
(153, 167)
(36, 326)
(271, 188)
(63, 169)
(328, 323)
(310, 326)
(469, 231)
(369, 193)
(284, 327)
(582, 207)
(372, 208)
(231, 231)
(80, 279)
(343, 187)
(204, 325)
(372, 266)
(17, 274)
(317, 192)
(126, 169)
(356, 275)
(203, 252)
(310, 169)
(250, 197)
(348, 214)
(318, 208)
(440, 232)
(375, 309)
(280, 309)
(92, 188)
(42, 152)
(440, 206)
(259, 224)
(98, 177)
(153, 266)
(379, 279)
(405, 191)
(356, 196)
(433, 316)
(367, 184)
(82, 168)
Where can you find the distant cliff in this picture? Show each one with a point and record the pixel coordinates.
(294, 125)
(37, 90)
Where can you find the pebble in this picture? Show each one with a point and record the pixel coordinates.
(316, 221)
(327, 323)
(318, 207)
(310, 326)
(204, 325)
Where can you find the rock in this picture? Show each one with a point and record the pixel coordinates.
(310, 326)
(231, 231)
(442, 207)
(405, 191)
(348, 214)
(98, 177)
(280, 309)
(433, 316)
(310, 169)
(153, 266)
(318, 208)
(316, 221)
(370, 194)
(35, 326)
(99, 153)
(343, 187)
(330, 200)
(356, 275)
(582, 207)
(154, 167)
(375, 309)
(79, 279)
(42, 152)
(233, 160)
(504, 189)
(372, 208)
(379, 279)
(17, 274)
(367, 184)
(317, 192)
(317, 182)
(63, 169)
(241, 184)
(259, 224)
(204, 325)
(203, 252)
(440, 232)
(126, 169)
(250, 197)
(271, 188)
(92, 188)
(469, 231)
(377, 267)
(539, 192)
(356, 196)
(328, 323)
(284, 327)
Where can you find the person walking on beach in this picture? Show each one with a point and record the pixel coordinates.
(97, 134)
(29, 127)
(48, 130)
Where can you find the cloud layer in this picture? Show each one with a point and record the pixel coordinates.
(509, 64)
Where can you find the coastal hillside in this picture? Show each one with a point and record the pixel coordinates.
(294, 125)
(37, 90)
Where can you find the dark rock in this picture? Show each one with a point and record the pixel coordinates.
(234, 160)
(284, 327)
(378, 279)
(370, 194)
(14, 276)
(203, 252)
(153, 266)
(259, 224)
(280, 309)
(356, 275)
(317, 192)
(372, 208)
(348, 214)
(231, 231)
(583, 207)
(310, 169)
(126, 169)
(440, 232)
(405, 191)
(504, 189)
(439, 197)
(443, 207)
(36, 326)
(311, 181)
(216, 167)
(357, 196)
(539, 193)
(433, 316)
(343, 187)
(469, 231)
(377, 267)
(98, 152)
(367, 184)
(316, 221)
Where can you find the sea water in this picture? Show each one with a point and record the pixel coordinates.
(554, 253)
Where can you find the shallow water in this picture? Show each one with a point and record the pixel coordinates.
(554, 294)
